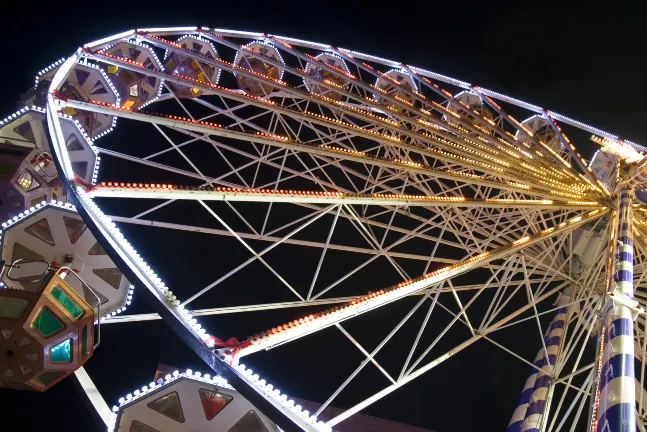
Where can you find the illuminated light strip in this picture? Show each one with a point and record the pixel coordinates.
(167, 29)
(54, 65)
(320, 320)
(225, 89)
(121, 59)
(22, 111)
(110, 39)
(152, 282)
(448, 142)
(167, 191)
(217, 87)
(356, 82)
(200, 126)
(424, 73)
(232, 33)
(267, 390)
(598, 373)
(283, 65)
(280, 60)
(514, 121)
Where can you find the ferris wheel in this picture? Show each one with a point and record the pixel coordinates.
(328, 187)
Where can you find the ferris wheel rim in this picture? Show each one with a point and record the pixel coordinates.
(85, 209)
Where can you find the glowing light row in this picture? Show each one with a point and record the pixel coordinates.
(16, 115)
(49, 68)
(317, 321)
(89, 142)
(424, 73)
(246, 373)
(186, 318)
(129, 190)
(437, 152)
(299, 145)
(282, 65)
(265, 77)
(590, 178)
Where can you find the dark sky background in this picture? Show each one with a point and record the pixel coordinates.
(587, 63)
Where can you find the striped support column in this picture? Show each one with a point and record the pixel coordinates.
(530, 409)
(617, 409)
(637, 177)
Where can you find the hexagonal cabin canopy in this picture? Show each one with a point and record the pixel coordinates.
(387, 83)
(27, 172)
(134, 88)
(253, 63)
(59, 235)
(313, 69)
(45, 335)
(187, 403)
(175, 63)
(85, 82)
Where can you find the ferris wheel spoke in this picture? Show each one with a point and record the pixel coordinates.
(269, 238)
(155, 165)
(222, 222)
(368, 173)
(231, 68)
(189, 125)
(272, 306)
(370, 302)
(415, 374)
(170, 141)
(566, 143)
(375, 351)
(580, 395)
(498, 303)
(172, 192)
(257, 255)
(482, 166)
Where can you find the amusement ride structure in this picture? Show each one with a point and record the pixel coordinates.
(351, 184)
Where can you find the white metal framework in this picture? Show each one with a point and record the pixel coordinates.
(375, 180)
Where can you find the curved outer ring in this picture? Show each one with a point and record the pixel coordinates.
(270, 406)
(289, 421)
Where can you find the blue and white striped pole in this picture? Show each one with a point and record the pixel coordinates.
(617, 409)
(527, 416)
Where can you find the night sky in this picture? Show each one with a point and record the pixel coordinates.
(584, 63)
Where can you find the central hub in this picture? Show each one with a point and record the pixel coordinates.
(8, 353)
